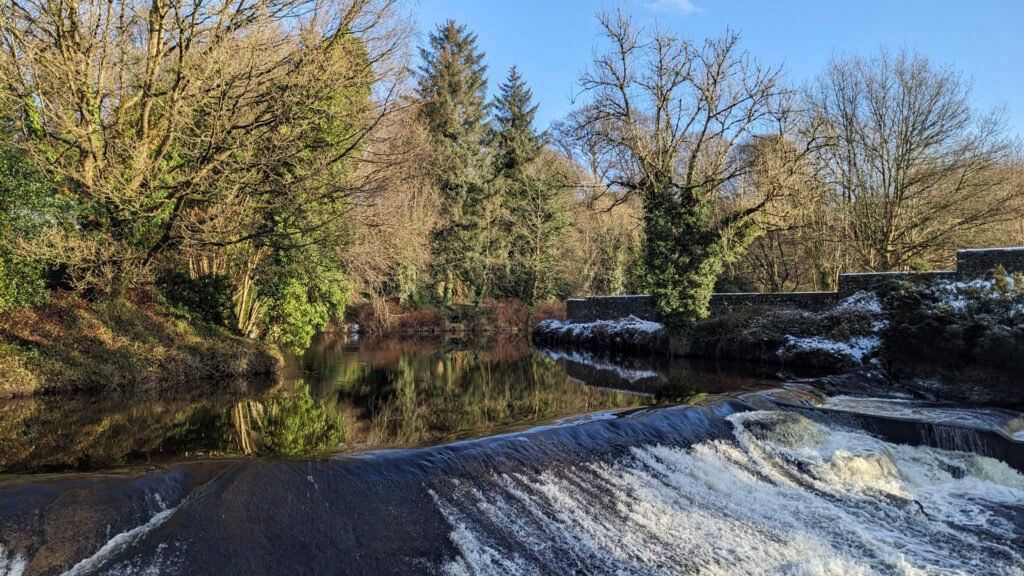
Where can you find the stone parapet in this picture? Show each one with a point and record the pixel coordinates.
(970, 264)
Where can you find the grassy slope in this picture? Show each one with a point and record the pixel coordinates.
(135, 343)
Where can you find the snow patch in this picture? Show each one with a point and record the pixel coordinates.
(863, 300)
(859, 348)
(629, 324)
(960, 295)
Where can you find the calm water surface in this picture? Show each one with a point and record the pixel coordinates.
(345, 396)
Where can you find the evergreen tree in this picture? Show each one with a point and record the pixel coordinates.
(453, 92)
(531, 182)
(516, 142)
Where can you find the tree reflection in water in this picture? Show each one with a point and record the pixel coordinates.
(337, 397)
(416, 392)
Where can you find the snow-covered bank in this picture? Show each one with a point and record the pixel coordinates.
(959, 340)
(845, 337)
(943, 339)
(630, 334)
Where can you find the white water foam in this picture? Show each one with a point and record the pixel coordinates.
(119, 543)
(11, 564)
(784, 496)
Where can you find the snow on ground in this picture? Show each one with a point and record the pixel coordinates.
(859, 348)
(867, 301)
(629, 324)
(959, 295)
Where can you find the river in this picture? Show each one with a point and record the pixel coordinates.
(447, 457)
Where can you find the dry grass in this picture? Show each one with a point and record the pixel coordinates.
(381, 317)
(503, 316)
(547, 310)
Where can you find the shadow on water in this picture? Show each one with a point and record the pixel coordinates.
(343, 396)
(668, 380)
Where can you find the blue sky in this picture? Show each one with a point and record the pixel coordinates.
(552, 40)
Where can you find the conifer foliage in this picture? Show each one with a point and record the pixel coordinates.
(453, 94)
(531, 181)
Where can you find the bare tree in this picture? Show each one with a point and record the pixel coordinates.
(911, 166)
(390, 255)
(666, 116)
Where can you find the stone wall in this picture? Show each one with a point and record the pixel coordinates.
(852, 283)
(970, 264)
(803, 300)
(609, 308)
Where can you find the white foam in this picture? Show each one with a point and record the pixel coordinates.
(119, 543)
(1008, 422)
(840, 502)
(11, 564)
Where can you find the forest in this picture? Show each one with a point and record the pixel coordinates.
(271, 167)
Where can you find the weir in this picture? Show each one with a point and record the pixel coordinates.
(970, 265)
(740, 471)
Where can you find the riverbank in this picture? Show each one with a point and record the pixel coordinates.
(958, 341)
(136, 342)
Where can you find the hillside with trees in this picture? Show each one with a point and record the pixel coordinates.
(254, 172)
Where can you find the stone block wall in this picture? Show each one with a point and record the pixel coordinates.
(970, 264)
(610, 308)
(852, 283)
(812, 301)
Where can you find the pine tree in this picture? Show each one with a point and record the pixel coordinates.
(531, 182)
(453, 93)
(516, 142)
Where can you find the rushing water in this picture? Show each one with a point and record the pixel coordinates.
(584, 468)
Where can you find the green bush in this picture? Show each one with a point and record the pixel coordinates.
(28, 205)
(302, 307)
(206, 298)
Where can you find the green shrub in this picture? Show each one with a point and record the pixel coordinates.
(206, 298)
(299, 309)
(28, 205)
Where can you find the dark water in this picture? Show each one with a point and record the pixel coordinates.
(750, 481)
(341, 397)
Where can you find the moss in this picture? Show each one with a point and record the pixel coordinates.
(128, 344)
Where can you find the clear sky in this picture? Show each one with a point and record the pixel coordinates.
(552, 40)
